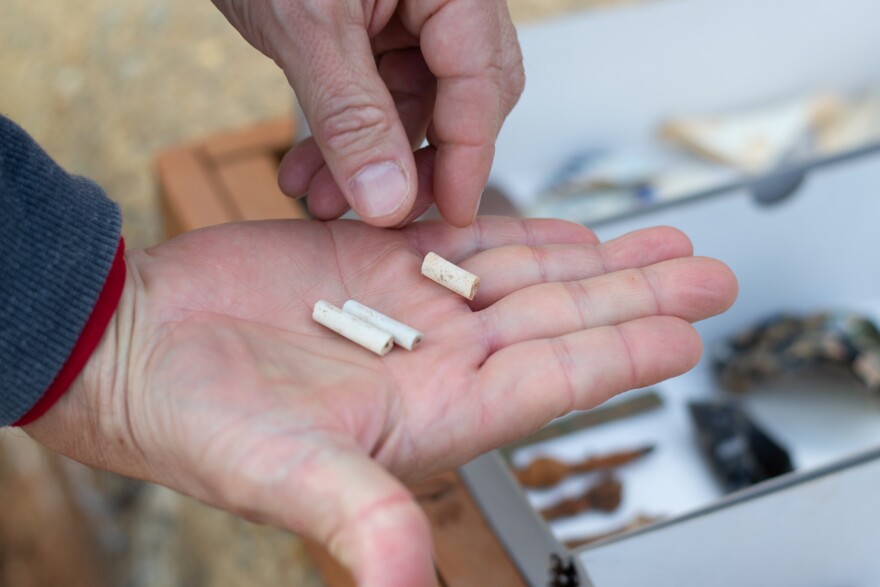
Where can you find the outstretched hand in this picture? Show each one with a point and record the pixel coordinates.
(213, 379)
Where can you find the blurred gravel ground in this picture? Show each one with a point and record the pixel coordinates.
(104, 84)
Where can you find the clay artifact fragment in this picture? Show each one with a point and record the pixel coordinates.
(546, 472)
(450, 275)
(604, 496)
(403, 335)
(352, 328)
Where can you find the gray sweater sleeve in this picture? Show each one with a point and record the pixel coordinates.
(58, 237)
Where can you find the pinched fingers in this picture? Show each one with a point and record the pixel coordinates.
(324, 49)
(326, 201)
(471, 47)
(299, 166)
(412, 87)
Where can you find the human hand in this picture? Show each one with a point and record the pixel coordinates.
(374, 79)
(213, 379)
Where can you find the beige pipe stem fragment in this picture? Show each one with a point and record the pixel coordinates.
(403, 335)
(450, 275)
(352, 328)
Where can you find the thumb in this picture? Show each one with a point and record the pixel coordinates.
(325, 53)
(367, 519)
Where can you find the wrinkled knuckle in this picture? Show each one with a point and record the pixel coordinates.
(350, 125)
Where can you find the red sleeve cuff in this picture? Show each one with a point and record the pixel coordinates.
(89, 338)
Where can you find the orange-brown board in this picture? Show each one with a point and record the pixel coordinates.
(226, 178)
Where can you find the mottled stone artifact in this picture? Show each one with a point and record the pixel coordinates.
(740, 453)
(788, 344)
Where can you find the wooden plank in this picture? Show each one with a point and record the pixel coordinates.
(190, 198)
(275, 136)
(467, 552)
(251, 186)
(332, 573)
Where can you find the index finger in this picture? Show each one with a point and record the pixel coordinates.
(469, 47)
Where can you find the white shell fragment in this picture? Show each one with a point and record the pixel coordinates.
(403, 335)
(450, 275)
(352, 328)
(752, 140)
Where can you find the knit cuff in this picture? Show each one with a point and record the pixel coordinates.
(58, 237)
(88, 340)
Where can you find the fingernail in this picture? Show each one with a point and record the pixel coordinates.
(379, 189)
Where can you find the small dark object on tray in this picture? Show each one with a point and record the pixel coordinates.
(563, 574)
(546, 472)
(741, 454)
(787, 343)
(604, 496)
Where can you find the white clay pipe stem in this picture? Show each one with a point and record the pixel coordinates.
(353, 328)
(403, 335)
(450, 275)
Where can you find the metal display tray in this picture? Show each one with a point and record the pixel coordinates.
(800, 239)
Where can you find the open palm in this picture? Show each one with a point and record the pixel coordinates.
(215, 381)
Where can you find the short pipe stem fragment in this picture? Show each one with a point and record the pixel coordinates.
(449, 275)
(403, 335)
(352, 328)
